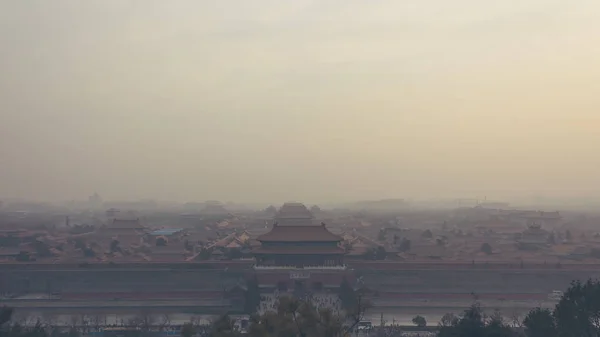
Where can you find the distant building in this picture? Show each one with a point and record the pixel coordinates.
(125, 224)
(129, 230)
(193, 206)
(112, 213)
(298, 255)
(534, 237)
(494, 205)
(233, 240)
(214, 209)
(294, 214)
(15, 237)
(295, 240)
(541, 218)
(528, 218)
(315, 209)
(95, 200)
(9, 254)
(270, 211)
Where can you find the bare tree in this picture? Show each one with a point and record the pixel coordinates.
(448, 319)
(133, 321)
(84, 321)
(357, 313)
(165, 321)
(22, 318)
(516, 320)
(146, 320)
(195, 320)
(382, 321)
(48, 318)
(330, 324)
(97, 321)
(496, 316)
(74, 321)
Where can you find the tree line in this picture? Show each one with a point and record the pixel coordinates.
(577, 314)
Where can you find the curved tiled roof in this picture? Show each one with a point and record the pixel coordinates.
(299, 234)
(294, 214)
(125, 223)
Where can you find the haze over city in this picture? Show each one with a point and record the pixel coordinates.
(217, 168)
(299, 100)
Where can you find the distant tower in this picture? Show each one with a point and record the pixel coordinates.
(95, 200)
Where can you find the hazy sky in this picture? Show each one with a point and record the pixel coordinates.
(326, 100)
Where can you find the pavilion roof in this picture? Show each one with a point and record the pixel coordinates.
(299, 234)
(295, 214)
(125, 224)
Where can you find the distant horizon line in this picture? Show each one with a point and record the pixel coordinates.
(484, 199)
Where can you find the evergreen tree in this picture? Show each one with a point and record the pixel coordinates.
(473, 323)
(578, 312)
(486, 248)
(419, 321)
(540, 323)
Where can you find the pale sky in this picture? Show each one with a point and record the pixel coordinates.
(270, 100)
